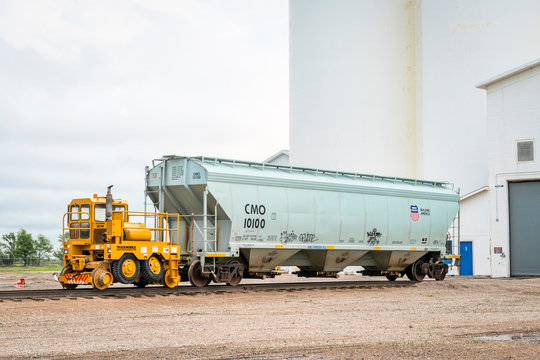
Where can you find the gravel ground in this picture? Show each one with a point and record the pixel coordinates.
(449, 319)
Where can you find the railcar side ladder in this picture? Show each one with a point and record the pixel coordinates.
(208, 233)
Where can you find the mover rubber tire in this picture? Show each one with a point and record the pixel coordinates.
(127, 269)
(152, 269)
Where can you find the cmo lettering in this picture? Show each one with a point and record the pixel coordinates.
(255, 209)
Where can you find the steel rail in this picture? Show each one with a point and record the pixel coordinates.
(122, 292)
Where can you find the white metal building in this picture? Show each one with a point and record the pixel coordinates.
(513, 119)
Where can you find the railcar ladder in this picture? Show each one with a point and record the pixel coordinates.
(208, 232)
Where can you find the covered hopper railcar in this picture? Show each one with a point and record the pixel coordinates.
(244, 219)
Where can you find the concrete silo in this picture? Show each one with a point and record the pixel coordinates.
(353, 85)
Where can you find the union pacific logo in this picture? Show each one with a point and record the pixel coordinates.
(414, 213)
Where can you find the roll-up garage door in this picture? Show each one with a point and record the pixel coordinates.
(524, 205)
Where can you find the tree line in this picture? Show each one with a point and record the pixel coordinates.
(23, 247)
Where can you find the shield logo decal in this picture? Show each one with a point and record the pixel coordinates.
(414, 213)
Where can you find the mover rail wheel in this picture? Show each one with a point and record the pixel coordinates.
(235, 280)
(101, 278)
(152, 269)
(140, 282)
(67, 270)
(391, 277)
(195, 275)
(127, 269)
(169, 281)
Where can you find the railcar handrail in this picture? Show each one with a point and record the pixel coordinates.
(316, 171)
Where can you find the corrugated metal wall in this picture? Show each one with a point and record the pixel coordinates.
(524, 205)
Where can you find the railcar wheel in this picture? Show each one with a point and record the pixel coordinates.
(439, 275)
(66, 270)
(414, 272)
(408, 272)
(235, 279)
(195, 275)
(417, 273)
(391, 277)
(127, 269)
(152, 269)
(440, 272)
(169, 281)
(101, 278)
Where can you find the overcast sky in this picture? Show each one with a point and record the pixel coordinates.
(91, 92)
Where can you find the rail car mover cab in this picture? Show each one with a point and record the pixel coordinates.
(105, 243)
(86, 219)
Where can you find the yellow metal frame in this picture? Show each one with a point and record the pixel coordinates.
(165, 247)
(85, 255)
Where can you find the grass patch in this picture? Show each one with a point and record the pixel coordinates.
(476, 341)
(30, 268)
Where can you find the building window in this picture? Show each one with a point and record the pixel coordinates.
(525, 150)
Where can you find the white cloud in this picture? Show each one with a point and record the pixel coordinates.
(91, 92)
(60, 30)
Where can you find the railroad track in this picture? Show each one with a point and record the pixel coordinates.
(122, 292)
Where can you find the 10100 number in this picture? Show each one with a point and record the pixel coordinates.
(254, 223)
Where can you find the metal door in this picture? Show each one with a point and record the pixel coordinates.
(466, 262)
(524, 207)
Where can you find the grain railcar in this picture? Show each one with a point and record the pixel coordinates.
(244, 219)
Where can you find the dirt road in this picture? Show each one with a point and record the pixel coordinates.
(449, 319)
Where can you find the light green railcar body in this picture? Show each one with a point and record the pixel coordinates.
(318, 220)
